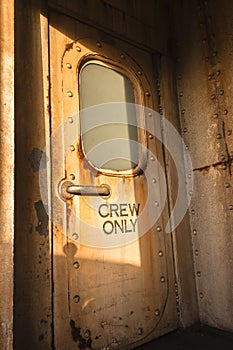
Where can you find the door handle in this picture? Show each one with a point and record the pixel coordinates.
(68, 190)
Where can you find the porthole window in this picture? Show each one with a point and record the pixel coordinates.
(102, 84)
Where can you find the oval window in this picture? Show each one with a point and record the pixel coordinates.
(108, 117)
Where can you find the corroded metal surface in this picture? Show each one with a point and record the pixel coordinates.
(105, 282)
(7, 172)
(204, 78)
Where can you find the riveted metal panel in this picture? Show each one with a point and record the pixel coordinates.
(204, 80)
(85, 270)
(220, 34)
(199, 90)
(211, 222)
(185, 285)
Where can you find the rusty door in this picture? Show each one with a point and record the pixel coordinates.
(112, 261)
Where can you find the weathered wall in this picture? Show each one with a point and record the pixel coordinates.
(7, 172)
(33, 288)
(203, 48)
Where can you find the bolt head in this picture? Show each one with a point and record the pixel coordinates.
(75, 236)
(70, 93)
(76, 298)
(157, 312)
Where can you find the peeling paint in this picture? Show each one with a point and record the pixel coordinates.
(35, 158)
(77, 337)
(42, 227)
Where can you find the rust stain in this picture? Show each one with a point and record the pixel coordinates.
(35, 160)
(69, 46)
(84, 162)
(42, 227)
(83, 343)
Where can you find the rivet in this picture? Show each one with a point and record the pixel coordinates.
(122, 56)
(181, 93)
(230, 207)
(213, 96)
(185, 129)
(154, 181)
(76, 265)
(201, 295)
(160, 253)
(189, 176)
(195, 232)
(139, 73)
(224, 166)
(147, 93)
(156, 204)
(72, 176)
(149, 114)
(218, 72)
(140, 331)
(219, 136)
(229, 132)
(150, 137)
(72, 148)
(103, 323)
(186, 147)
(76, 298)
(99, 44)
(215, 115)
(198, 273)
(70, 119)
(157, 312)
(221, 92)
(183, 111)
(210, 76)
(152, 158)
(196, 252)
(75, 236)
(190, 193)
(225, 111)
(193, 212)
(70, 93)
(158, 229)
(227, 185)
(162, 279)
(78, 48)
(68, 65)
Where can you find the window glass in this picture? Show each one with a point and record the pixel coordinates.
(112, 144)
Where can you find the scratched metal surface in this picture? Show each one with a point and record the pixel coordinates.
(204, 75)
(109, 294)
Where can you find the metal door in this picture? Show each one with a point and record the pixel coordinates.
(113, 266)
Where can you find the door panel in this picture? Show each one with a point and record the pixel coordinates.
(113, 269)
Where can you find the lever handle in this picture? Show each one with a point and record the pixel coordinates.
(68, 190)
